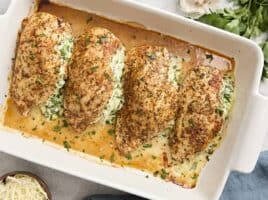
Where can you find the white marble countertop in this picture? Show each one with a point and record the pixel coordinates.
(64, 186)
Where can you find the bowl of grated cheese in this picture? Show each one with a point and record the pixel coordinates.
(21, 185)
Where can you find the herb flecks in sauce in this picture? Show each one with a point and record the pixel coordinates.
(66, 145)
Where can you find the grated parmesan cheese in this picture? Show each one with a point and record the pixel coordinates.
(21, 187)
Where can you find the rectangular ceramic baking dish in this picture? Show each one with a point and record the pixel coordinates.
(246, 129)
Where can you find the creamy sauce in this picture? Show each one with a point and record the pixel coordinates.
(99, 139)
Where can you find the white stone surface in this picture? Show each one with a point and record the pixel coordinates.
(3, 6)
(63, 186)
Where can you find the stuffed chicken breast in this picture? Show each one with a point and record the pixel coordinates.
(205, 99)
(38, 75)
(150, 97)
(93, 92)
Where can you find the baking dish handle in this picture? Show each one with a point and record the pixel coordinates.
(264, 91)
(250, 147)
(265, 146)
(3, 19)
(2, 25)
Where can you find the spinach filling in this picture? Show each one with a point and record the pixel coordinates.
(53, 108)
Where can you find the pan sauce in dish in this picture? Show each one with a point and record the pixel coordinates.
(99, 139)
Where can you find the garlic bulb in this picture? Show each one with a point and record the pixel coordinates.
(198, 7)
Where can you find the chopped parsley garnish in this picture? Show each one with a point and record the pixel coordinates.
(194, 176)
(210, 151)
(153, 157)
(164, 135)
(108, 122)
(128, 156)
(34, 128)
(152, 56)
(112, 157)
(111, 132)
(94, 68)
(66, 145)
(209, 57)
(57, 128)
(219, 111)
(156, 173)
(147, 145)
(227, 97)
(91, 133)
(191, 123)
(65, 123)
(102, 39)
(163, 173)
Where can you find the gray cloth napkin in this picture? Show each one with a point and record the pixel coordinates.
(239, 186)
(253, 186)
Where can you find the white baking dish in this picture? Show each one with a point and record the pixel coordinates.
(246, 130)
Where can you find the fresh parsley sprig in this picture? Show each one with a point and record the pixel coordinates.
(249, 19)
(265, 53)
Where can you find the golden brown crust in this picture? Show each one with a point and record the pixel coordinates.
(197, 122)
(90, 83)
(150, 99)
(37, 63)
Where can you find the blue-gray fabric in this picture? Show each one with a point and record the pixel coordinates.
(253, 186)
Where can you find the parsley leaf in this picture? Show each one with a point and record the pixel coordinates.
(249, 18)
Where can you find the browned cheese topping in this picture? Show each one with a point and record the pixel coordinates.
(150, 99)
(90, 83)
(199, 119)
(38, 60)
